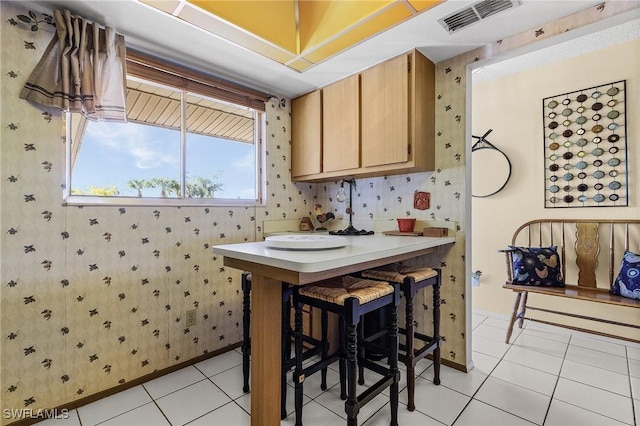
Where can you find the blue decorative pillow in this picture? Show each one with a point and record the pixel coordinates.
(627, 283)
(537, 266)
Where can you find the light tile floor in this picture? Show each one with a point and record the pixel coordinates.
(546, 376)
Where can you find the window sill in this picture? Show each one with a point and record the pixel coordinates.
(83, 200)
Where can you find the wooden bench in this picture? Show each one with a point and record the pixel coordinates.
(590, 252)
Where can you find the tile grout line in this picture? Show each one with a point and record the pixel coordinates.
(209, 412)
(564, 358)
(132, 409)
(584, 384)
(484, 381)
(633, 405)
(156, 404)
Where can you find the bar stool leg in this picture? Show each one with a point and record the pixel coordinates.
(286, 348)
(351, 404)
(393, 363)
(298, 375)
(342, 363)
(361, 353)
(410, 333)
(325, 347)
(436, 331)
(246, 331)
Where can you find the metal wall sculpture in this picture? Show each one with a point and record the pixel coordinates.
(585, 147)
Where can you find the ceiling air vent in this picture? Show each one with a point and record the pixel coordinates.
(476, 12)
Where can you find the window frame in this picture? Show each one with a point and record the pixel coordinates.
(186, 81)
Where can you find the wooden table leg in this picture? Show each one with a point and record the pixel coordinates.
(266, 355)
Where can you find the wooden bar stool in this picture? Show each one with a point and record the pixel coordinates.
(350, 298)
(412, 280)
(313, 346)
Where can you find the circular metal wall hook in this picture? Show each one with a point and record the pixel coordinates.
(496, 167)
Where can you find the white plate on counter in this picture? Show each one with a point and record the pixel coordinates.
(306, 242)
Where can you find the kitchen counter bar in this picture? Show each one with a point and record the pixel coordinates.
(270, 267)
(307, 266)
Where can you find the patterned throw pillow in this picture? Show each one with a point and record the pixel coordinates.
(627, 283)
(537, 266)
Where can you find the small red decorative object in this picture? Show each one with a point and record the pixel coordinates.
(421, 200)
(406, 224)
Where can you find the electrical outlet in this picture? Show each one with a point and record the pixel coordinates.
(191, 317)
(475, 278)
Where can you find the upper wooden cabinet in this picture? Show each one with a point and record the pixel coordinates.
(388, 128)
(341, 125)
(385, 113)
(306, 135)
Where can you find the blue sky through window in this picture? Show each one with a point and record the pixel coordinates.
(113, 153)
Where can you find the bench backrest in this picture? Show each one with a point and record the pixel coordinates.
(584, 245)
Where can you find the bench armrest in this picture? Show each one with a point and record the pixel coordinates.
(508, 262)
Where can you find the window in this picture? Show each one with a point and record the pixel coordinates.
(186, 142)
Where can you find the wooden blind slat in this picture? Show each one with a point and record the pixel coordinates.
(146, 66)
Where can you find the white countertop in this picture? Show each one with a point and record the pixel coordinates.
(359, 249)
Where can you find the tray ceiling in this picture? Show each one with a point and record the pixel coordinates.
(296, 33)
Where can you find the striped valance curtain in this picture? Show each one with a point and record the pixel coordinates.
(82, 70)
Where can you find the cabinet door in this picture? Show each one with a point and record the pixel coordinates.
(385, 113)
(341, 125)
(306, 134)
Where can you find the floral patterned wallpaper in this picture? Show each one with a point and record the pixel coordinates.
(391, 197)
(95, 297)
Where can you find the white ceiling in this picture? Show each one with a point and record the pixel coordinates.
(157, 33)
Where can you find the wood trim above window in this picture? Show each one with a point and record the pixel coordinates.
(146, 66)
